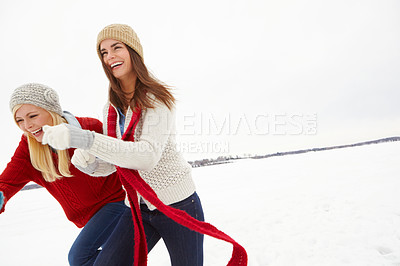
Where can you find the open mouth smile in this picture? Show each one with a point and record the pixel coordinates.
(115, 65)
(37, 132)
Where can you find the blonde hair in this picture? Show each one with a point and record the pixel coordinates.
(42, 156)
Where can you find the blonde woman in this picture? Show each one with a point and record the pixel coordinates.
(94, 203)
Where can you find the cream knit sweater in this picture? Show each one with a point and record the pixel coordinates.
(153, 153)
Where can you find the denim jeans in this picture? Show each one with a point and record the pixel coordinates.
(90, 242)
(185, 246)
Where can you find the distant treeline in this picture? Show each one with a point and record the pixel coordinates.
(229, 159)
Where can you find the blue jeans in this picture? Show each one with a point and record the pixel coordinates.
(89, 245)
(185, 246)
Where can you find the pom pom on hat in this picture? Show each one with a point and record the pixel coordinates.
(38, 95)
(122, 33)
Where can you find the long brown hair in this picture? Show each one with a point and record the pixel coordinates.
(145, 83)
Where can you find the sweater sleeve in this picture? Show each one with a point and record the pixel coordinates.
(17, 173)
(145, 152)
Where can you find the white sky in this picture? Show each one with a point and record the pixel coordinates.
(248, 74)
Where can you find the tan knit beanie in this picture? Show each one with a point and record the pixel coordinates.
(122, 33)
(38, 95)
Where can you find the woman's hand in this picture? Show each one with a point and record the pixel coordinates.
(65, 136)
(57, 137)
(82, 158)
(84, 161)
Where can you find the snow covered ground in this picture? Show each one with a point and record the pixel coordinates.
(337, 207)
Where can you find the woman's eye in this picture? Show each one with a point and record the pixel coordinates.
(33, 116)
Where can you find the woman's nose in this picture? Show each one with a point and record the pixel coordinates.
(28, 125)
(110, 55)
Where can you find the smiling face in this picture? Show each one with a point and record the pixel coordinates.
(116, 56)
(31, 119)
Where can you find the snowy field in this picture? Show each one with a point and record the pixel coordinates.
(337, 207)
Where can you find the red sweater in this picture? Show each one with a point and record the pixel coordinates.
(80, 196)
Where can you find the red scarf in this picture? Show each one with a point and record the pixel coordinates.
(134, 184)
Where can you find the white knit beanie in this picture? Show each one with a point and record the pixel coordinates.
(122, 33)
(38, 95)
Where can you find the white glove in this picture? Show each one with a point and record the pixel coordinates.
(84, 161)
(82, 158)
(57, 137)
(65, 136)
